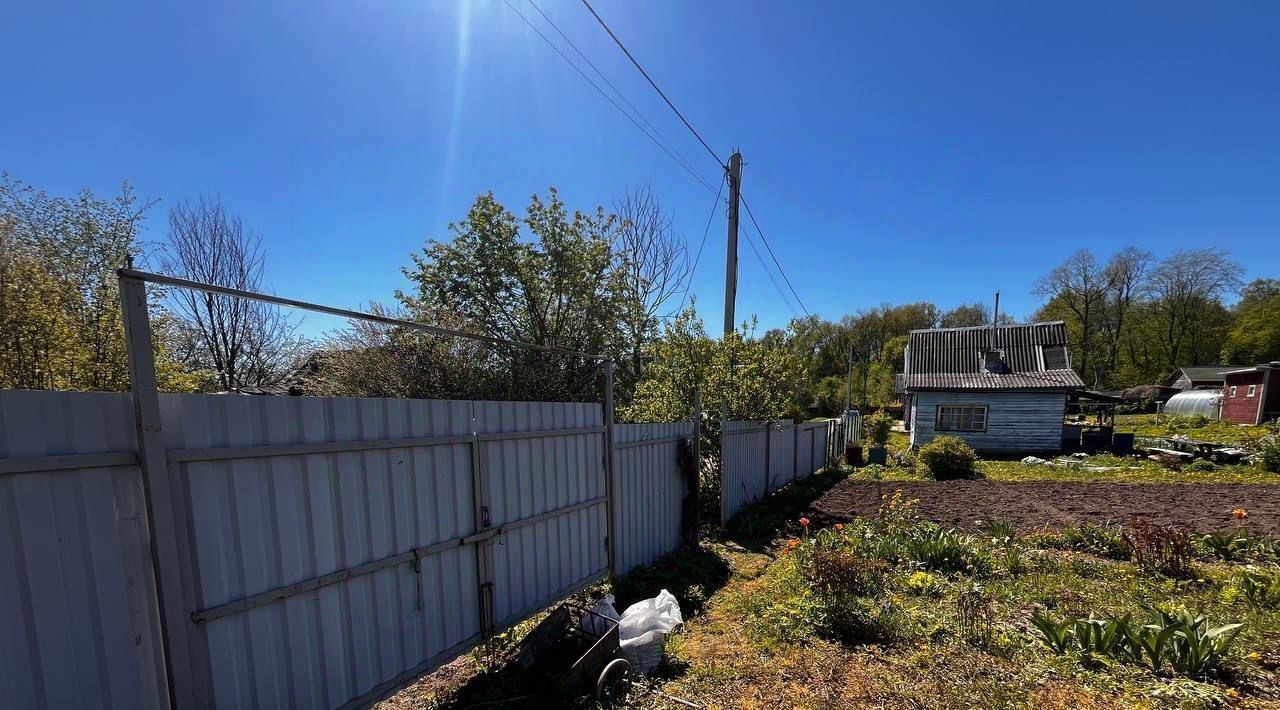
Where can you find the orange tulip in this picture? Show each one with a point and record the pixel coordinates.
(793, 543)
(1240, 513)
(839, 527)
(804, 522)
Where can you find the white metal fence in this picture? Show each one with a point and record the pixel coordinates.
(757, 458)
(330, 548)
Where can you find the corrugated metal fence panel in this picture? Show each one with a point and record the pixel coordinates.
(77, 598)
(650, 491)
(782, 463)
(259, 524)
(535, 563)
(806, 437)
(742, 462)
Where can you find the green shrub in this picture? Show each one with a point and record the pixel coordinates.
(1180, 639)
(1259, 587)
(877, 427)
(1202, 465)
(948, 458)
(1269, 454)
(1097, 539)
(1229, 546)
(949, 551)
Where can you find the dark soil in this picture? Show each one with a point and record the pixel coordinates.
(1038, 505)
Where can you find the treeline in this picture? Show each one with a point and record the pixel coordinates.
(604, 281)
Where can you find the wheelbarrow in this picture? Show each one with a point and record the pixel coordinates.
(568, 649)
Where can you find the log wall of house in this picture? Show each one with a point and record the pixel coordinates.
(1017, 422)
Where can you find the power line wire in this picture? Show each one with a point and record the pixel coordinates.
(769, 272)
(609, 98)
(684, 161)
(654, 84)
(771, 254)
(705, 231)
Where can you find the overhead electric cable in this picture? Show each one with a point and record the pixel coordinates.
(769, 272)
(610, 99)
(759, 231)
(654, 84)
(684, 161)
(705, 231)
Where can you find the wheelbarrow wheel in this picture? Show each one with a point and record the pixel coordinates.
(614, 683)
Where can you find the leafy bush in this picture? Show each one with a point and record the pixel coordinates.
(1269, 454)
(949, 551)
(1229, 546)
(878, 426)
(1259, 587)
(1159, 549)
(837, 574)
(1097, 539)
(1183, 640)
(1202, 465)
(948, 458)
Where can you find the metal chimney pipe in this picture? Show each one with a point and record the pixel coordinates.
(995, 320)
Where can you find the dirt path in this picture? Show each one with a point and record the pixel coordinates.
(1204, 507)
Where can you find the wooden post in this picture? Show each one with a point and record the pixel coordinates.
(163, 519)
(610, 491)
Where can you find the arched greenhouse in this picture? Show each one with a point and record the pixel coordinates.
(1196, 403)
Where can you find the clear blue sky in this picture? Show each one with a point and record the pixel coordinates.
(895, 151)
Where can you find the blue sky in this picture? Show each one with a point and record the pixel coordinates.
(894, 151)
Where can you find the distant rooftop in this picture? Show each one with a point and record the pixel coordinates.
(1034, 358)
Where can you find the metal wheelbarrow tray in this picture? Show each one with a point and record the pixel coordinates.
(561, 649)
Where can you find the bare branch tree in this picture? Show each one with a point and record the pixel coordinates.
(245, 343)
(1126, 274)
(654, 271)
(1080, 284)
(1187, 289)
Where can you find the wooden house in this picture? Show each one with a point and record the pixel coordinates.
(1251, 395)
(1199, 377)
(1001, 389)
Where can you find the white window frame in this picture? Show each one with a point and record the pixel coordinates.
(1253, 391)
(962, 418)
(1233, 390)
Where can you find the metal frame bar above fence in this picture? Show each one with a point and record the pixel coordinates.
(343, 312)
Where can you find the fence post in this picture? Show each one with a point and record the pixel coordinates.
(158, 489)
(795, 451)
(693, 479)
(768, 440)
(610, 492)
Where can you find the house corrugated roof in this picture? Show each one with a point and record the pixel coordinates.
(1202, 373)
(952, 358)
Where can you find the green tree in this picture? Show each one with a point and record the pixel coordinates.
(1254, 336)
(557, 286)
(60, 321)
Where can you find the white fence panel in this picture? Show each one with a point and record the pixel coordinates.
(650, 490)
(742, 466)
(262, 519)
(782, 462)
(547, 493)
(806, 435)
(79, 626)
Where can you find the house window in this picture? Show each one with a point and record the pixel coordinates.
(1055, 357)
(962, 417)
(1233, 390)
(1253, 390)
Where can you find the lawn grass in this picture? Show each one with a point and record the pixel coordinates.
(928, 638)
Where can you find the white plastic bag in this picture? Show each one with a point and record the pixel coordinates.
(644, 628)
(593, 624)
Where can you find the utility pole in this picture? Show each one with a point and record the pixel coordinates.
(731, 259)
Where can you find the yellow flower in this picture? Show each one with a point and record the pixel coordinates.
(1231, 692)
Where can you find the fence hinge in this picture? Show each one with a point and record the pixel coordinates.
(416, 566)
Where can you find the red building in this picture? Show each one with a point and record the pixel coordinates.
(1251, 395)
